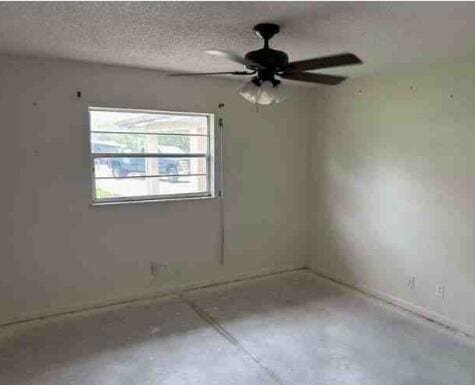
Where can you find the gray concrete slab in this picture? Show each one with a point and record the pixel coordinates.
(161, 343)
(307, 330)
(292, 328)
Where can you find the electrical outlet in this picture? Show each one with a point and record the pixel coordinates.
(440, 291)
(411, 282)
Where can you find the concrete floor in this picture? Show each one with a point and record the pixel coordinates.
(292, 328)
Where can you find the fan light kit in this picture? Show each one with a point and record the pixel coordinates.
(266, 64)
(262, 91)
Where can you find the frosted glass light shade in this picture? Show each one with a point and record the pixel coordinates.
(267, 93)
(249, 91)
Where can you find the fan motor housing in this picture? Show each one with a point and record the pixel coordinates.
(268, 58)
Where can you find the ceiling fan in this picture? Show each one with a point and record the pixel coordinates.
(267, 64)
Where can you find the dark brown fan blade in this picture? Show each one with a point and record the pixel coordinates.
(211, 73)
(313, 78)
(233, 57)
(323, 62)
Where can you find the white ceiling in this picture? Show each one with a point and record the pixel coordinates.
(387, 36)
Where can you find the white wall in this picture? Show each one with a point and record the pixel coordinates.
(393, 188)
(60, 253)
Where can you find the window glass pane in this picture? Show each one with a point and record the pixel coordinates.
(175, 147)
(149, 186)
(152, 144)
(132, 167)
(129, 121)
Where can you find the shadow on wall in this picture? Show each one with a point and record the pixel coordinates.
(393, 188)
(330, 250)
(359, 217)
(371, 204)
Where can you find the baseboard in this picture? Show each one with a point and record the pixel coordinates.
(169, 291)
(149, 295)
(419, 311)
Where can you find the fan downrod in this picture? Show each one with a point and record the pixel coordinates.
(266, 31)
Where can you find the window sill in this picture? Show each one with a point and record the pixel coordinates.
(144, 201)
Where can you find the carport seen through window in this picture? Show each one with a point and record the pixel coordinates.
(147, 155)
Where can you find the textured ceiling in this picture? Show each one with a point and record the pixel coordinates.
(171, 35)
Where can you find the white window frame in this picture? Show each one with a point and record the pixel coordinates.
(211, 163)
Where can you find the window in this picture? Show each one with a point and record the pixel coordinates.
(147, 155)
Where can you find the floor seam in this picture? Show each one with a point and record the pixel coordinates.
(209, 319)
